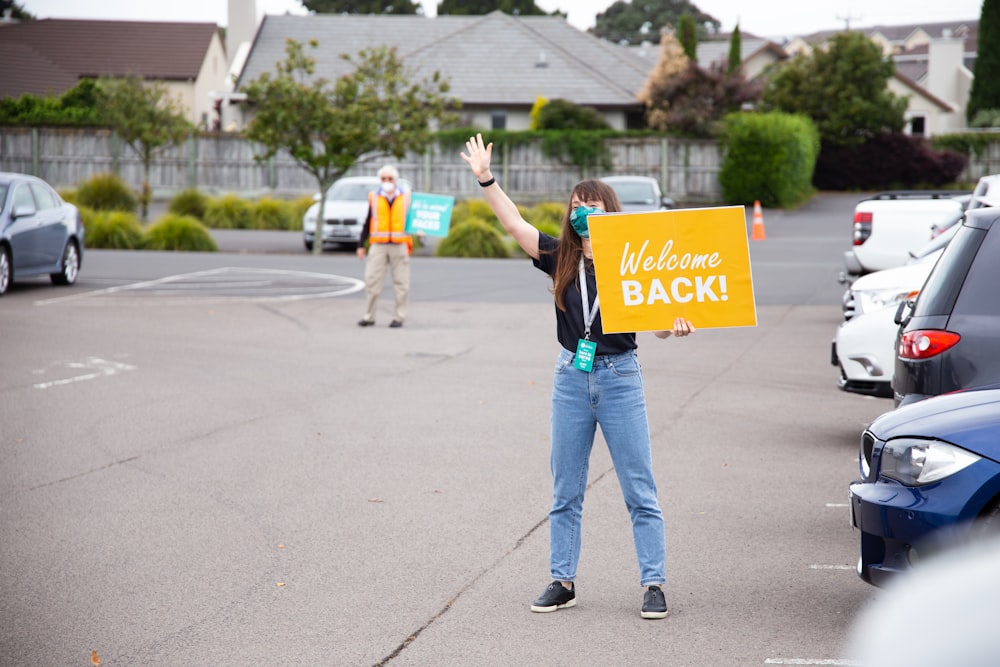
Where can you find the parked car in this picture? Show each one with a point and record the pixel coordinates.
(346, 211)
(638, 193)
(864, 347)
(39, 232)
(930, 479)
(890, 226)
(949, 337)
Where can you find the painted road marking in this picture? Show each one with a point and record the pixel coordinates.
(232, 284)
(97, 368)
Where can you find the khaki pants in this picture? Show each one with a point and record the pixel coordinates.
(395, 257)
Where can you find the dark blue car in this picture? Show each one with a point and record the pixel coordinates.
(930, 479)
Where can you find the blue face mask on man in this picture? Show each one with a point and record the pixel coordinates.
(578, 218)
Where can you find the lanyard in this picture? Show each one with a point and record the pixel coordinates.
(588, 314)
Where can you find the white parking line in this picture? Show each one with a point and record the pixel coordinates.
(831, 567)
(347, 285)
(838, 504)
(99, 367)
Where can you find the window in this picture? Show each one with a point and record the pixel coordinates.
(22, 197)
(498, 120)
(918, 126)
(44, 196)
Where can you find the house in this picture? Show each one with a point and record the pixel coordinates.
(53, 55)
(497, 65)
(934, 69)
(756, 53)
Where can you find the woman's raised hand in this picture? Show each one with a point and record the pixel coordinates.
(479, 156)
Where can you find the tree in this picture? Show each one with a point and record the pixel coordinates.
(735, 51)
(17, 12)
(694, 101)
(842, 87)
(688, 34)
(478, 7)
(363, 6)
(145, 117)
(985, 92)
(629, 22)
(328, 126)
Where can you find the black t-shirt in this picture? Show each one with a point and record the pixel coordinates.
(569, 324)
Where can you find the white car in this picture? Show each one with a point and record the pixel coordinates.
(864, 347)
(346, 211)
(638, 193)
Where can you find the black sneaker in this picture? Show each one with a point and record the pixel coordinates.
(654, 603)
(365, 323)
(556, 596)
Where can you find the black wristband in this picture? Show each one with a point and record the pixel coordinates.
(486, 184)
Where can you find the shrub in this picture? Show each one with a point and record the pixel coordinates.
(560, 114)
(299, 207)
(473, 238)
(179, 232)
(474, 209)
(769, 157)
(116, 230)
(888, 160)
(228, 212)
(190, 202)
(547, 214)
(107, 192)
(271, 213)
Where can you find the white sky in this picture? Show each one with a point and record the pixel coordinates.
(769, 18)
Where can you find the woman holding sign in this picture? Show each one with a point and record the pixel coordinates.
(597, 381)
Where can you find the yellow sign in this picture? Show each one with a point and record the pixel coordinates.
(654, 267)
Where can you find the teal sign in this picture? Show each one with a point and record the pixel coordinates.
(430, 214)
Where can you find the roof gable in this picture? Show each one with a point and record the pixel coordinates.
(494, 59)
(57, 53)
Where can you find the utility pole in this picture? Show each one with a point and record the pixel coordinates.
(847, 20)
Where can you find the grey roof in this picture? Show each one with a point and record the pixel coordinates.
(716, 51)
(52, 55)
(495, 59)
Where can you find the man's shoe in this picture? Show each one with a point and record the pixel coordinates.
(395, 324)
(365, 323)
(654, 603)
(556, 596)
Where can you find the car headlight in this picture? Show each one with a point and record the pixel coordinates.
(916, 462)
(868, 301)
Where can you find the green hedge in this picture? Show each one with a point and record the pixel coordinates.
(179, 232)
(770, 157)
(115, 230)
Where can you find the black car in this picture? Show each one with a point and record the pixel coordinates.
(39, 233)
(950, 338)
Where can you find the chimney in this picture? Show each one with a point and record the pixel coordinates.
(242, 25)
(945, 60)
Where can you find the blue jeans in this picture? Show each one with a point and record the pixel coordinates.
(612, 396)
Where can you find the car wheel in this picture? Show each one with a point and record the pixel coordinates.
(6, 270)
(70, 266)
(309, 245)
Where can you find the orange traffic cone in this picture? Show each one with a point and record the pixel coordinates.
(757, 231)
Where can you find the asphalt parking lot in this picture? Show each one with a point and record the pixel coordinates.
(204, 461)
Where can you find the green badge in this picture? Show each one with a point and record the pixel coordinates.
(584, 359)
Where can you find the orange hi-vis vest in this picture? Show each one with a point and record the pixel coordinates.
(388, 221)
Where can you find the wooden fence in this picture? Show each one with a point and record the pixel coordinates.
(216, 163)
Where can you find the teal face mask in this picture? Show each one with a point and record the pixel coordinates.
(578, 218)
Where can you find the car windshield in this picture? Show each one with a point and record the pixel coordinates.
(352, 191)
(635, 193)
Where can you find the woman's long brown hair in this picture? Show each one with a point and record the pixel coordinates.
(570, 247)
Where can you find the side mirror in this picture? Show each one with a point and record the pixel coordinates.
(667, 202)
(23, 211)
(901, 318)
